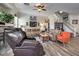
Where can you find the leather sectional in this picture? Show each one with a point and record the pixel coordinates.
(22, 45)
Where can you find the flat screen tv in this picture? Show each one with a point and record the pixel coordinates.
(33, 24)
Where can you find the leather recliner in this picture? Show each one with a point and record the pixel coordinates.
(23, 46)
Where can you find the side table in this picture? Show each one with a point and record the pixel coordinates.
(45, 37)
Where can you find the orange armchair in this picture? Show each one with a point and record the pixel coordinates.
(63, 37)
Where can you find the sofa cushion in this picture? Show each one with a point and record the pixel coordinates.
(30, 43)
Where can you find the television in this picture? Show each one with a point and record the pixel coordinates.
(33, 24)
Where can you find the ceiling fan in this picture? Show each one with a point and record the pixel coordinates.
(40, 7)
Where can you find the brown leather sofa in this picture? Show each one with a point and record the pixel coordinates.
(23, 46)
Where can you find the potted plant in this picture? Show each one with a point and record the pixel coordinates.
(5, 17)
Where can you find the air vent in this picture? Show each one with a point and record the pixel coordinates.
(26, 4)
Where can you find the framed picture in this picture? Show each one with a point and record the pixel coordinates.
(26, 23)
(75, 21)
(65, 18)
(32, 17)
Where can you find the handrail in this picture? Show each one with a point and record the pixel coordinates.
(66, 23)
(69, 26)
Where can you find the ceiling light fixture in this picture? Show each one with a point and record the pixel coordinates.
(39, 10)
(40, 7)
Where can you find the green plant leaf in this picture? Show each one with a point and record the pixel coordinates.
(5, 17)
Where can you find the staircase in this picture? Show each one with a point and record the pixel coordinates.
(66, 25)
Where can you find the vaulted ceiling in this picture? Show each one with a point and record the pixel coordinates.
(23, 9)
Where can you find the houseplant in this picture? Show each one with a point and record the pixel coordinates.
(6, 17)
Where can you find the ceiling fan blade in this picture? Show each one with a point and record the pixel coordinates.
(44, 9)
(41, 9)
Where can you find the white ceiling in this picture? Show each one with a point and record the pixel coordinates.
(71, 8)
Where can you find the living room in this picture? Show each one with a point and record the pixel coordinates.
(41, 29)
